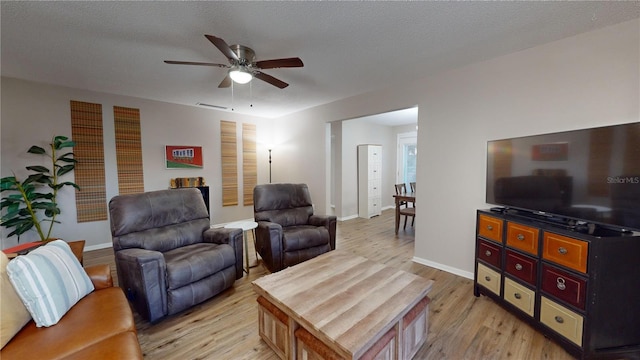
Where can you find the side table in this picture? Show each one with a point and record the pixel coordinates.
(77, 248)
(245, 226)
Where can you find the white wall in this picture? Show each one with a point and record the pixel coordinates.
(358, 132)
(583, 81)
(32, 113)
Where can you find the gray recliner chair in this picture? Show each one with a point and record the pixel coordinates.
(167, 257)
(288, 232)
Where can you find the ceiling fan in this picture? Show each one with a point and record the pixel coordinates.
(242, 65)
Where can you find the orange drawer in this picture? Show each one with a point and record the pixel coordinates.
(522, 237)
(566, 251)
(490, 228)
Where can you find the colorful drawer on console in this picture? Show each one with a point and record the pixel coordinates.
(562, 320)
(490, 228)
(522, 237)
(489, 279)
(520, 296)
(489, 252)
(564, 286)
(566, 251)
(522, 267)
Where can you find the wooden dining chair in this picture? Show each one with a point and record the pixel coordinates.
(406, 210)
(412, 185)
(401, 189)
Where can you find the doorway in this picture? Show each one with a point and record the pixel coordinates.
(407, 156)
(342, 140)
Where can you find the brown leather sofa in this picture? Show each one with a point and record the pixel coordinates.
(99, 326)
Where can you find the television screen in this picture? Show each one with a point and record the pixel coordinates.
(590, 175)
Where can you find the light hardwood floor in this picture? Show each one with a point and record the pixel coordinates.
(461, 325)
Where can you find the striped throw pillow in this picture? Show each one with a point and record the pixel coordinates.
(49, 281)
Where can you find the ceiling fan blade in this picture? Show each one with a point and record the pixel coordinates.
(173, 62)
(222, 46)
(271, 80)
(226, 82)
(280, 63)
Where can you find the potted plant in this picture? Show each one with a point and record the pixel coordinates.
(32, 202)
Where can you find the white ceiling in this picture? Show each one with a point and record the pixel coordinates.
(348, 48)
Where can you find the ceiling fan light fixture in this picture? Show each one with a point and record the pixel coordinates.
(240, 75)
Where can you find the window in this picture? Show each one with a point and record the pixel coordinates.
(407, 154)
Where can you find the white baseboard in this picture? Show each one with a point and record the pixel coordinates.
(345, 218)
(449, 269)
(98, 247)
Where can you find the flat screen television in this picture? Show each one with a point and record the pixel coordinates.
(583, 177)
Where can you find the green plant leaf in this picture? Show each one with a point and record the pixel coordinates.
(10, 205)
(68, 183)
(51, 212)
(9, 215)
(15, 221)
(38, 168)
(65, 169)
(7, 183)
(68, 158)
(48, 196)
(29, 190)
(48, 205)
(8, 186)
(21, 229)
(15, 198)
(65, 144)
(10, 200)
(38, 179)
(36, 150)
(24, 212)
(13, 207)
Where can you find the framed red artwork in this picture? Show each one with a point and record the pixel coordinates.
(183, 156)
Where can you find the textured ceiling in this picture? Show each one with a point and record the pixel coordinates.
(348, 48)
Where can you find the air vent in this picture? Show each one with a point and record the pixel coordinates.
(211, 106)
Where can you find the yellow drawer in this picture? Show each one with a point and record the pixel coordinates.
(522, 237)
(490, 228)
(489, 279)
(562, 320)
(566, 251)
(519, 296)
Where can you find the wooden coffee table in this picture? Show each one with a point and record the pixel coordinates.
(342, 306)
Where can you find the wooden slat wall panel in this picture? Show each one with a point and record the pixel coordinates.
(249, 163)
(86, 131)
(128, 150)
(229, 163)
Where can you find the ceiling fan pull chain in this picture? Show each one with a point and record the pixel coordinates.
(250, 94)
(232, 95)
